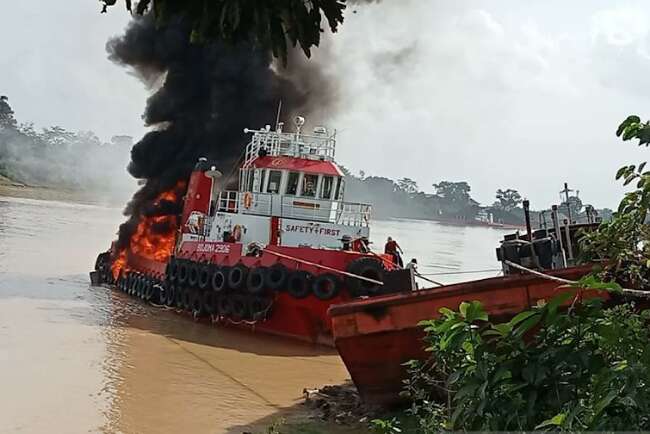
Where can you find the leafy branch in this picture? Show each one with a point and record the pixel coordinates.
(272, 24)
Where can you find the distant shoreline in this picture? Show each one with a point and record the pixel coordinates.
(15, 189)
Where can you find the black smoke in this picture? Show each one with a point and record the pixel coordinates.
(205, 95)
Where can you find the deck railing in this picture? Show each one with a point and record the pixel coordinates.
(316, 146)
(337, 212)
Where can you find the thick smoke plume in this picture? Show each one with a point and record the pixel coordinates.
(206, 96)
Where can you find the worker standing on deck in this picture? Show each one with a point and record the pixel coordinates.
(394, 249)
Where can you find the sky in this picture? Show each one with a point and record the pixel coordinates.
(501, 93)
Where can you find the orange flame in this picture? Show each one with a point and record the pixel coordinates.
(150, 243)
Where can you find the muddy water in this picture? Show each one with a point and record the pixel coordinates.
(79, 359)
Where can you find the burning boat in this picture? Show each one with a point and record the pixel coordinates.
(272, 255)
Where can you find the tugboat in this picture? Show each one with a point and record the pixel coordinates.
(271, 256)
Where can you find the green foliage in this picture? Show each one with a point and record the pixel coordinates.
(585, 368)
(272, 24)
(385, 426)
(508, 199)
(623, 244)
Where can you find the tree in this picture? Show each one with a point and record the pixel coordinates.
(273, 24)
(622, 245)
(454, 192)
(7, 119)
(407, 185)
(508, 199)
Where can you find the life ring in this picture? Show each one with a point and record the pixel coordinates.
(248, 200)
(326, 286)
(236, 233)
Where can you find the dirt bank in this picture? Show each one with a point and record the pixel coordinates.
(11, 188)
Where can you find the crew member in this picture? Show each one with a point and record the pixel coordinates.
(394, 249)
(347, 242)
(361, 245)
(412, 265)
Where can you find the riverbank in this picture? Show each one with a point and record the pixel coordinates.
(17, 189)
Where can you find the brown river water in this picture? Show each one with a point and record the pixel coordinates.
(78, 359)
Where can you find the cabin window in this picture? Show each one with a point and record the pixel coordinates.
(275, 176)
(251, 180)
(326, 187)
(309, 183)
(263, 181)
(340, 187)
(292, 183)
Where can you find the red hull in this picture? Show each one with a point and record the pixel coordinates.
(376, 336)
(305, 319)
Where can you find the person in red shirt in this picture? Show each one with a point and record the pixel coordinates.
(394, 249)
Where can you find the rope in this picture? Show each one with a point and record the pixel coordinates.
(632, 292)
(490, 270)
(427, 279)
(324, 267)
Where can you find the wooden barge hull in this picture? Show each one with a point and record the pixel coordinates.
(375, 337)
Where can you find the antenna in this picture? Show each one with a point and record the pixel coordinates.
(277, 119)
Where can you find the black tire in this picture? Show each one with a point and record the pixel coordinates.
(172, 270)
(326, 286)
(193, 275)
(183, 272)
(196, 303)
(209, 299)
(139, 289)
(205, 273)
(162, 293)
(256, 280)
(187, 298)
(369, 268)
(276, 277)
(179, 296)
(170, 298)
(219, 280)
(224, 306)
(128, 283)
(299, 284)
(149, 290)
(237, 276)
(240, 308)
(259, 308)
(134, 285)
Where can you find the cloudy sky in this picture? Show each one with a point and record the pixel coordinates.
(499, 93)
